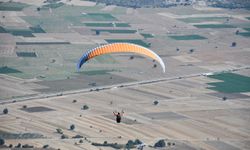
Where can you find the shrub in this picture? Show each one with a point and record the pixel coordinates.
(160, 143)
(74, 101)
(77, 136)
(19, 145)
(10, 146)
(24, 106)
(72, 127)
(137, 142)
(85, 107)
(64, 136)
(59, 131)
(156, 102)
(5, 111)
(2, 141)
(45, 146)
(27, 146)
(81, 141)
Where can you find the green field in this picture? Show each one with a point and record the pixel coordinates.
(115, 31)
(248, 18)
(187, 37)
(247, 29)
(12, 6)
(98, 24)
(26, 54)
(146, 35)
(231, 83)
(245, 34)
(40, 43)
(134, 41)
(122, 25)
(7, 70)
(96, 72)
(202, 19)
(52, 5)
(100, 16)
(214, 26)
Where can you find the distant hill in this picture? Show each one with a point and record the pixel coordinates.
(168, 3)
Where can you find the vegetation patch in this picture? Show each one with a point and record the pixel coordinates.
(37, 109)
(122, 25)
(134, 41)
(2, 30)
(40, 43)
(99, 24)
(187, 37)
(147, 35)
(202, 19)
(20, 32)
(245, 34)
(7, 135)
(100, 16)
(115, 31)
(247, 29)
(12, 6)
(52, 5)
(37, 29)
(96, 72)
(231, 83)
(26, 54)
(214, 26)
(7, 70)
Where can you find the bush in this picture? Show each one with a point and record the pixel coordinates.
(85, 107)
(72, 127)
(18, 145)
(156, 102)
(2, 141)
(24, 106)
(81, 141)
(160, 143)
(27, 146)
(74, 101)
(5, 111)
(59, 131)
(64, 136)
(10, 146)
(233, 44)
(77, 136)
(45, 146)
(137, 142)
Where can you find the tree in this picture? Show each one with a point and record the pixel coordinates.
(130, 144)
(72, 127)
(233, 44)
(5, 111)
(191, 50)
(18, 145)
(224, 98)
(24, 106)
(64, 136)
(85, 107)
(131, 57)
(155, 65)
(38, 8)
(160, 143)
(156, 102)
(45, 146)
(2, 141)
(74, 101)
(237, 32)
(137, 142)
(59, 131)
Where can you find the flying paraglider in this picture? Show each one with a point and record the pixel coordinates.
(118, 48)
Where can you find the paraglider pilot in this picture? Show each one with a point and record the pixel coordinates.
(118, 116)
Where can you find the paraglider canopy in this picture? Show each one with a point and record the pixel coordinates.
(119, 48)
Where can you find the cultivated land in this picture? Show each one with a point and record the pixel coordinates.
(204, 96)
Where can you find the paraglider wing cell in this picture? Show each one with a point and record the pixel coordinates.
(118, 48)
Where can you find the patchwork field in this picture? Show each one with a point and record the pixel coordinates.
(202, 101)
